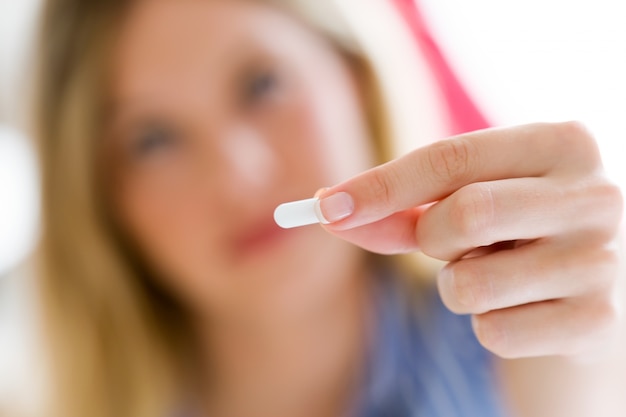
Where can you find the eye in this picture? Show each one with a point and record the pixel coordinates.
(155, 138)
(259, 85)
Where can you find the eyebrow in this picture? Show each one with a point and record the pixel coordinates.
(121, 109)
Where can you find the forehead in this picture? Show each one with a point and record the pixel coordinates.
(183, 39)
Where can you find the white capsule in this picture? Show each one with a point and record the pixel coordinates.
(298, 213)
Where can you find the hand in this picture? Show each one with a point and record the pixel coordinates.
(526, 219)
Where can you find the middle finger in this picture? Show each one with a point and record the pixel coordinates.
(482, 214)
(546, 269)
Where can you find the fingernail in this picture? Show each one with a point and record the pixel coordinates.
(335, 207)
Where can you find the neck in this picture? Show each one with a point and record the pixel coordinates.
(289, 361)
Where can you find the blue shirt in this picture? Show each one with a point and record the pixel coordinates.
(424, 360)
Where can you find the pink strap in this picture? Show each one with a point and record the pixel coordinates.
(463, 114)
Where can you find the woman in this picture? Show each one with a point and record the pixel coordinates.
(169, 132)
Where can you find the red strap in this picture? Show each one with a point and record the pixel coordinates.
(464, 115)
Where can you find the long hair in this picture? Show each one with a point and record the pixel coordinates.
(115, 339)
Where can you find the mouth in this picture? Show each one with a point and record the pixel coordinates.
(259, 238)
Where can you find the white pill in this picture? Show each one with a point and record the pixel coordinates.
(298, 213)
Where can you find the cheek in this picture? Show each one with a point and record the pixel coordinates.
(326, 135)
(173, 230)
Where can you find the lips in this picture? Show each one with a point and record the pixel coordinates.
(258, 238)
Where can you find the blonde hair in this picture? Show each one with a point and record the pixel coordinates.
(113, 335)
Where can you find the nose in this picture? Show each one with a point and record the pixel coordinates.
(246, 162)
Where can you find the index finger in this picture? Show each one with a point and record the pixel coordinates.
(431, 173)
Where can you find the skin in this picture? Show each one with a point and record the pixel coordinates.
(221, 111)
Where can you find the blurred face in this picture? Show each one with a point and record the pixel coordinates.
(222, 110)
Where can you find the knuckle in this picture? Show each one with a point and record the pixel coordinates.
(604, 321)
(381, 188)
(450, 161)
(572, 132)
(597, 268)
(610, 196)
(602, 203)
(472, 212)
(577, 140)
(614, 196)
(607, 315)
(605, 267)
(573, 128)
(491, 332)
(600, 323)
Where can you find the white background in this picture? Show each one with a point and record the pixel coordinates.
(543, 60)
